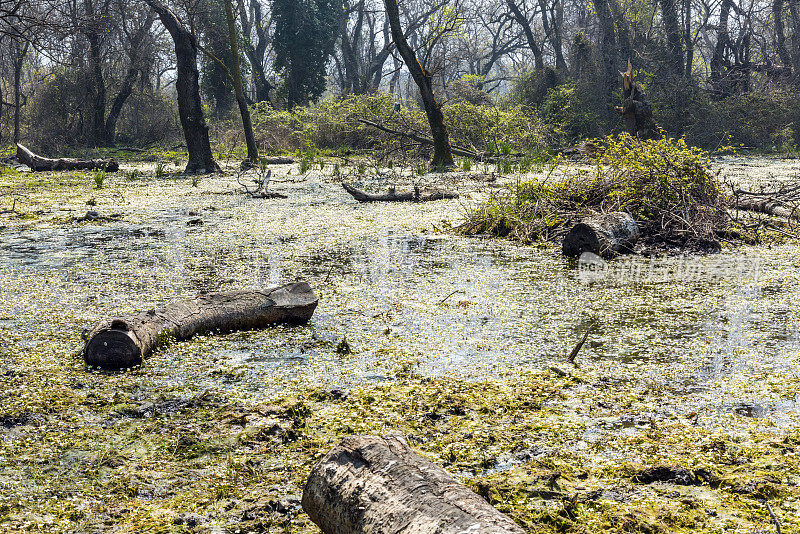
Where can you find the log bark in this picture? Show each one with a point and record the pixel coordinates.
(373, 485)
(768, 206)
(417, 195)
(123, 342)
(605, 235)
(40, 164)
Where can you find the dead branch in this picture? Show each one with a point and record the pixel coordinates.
(262, 187)
(458, 151)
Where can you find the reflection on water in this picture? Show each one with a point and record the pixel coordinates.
(452, 305)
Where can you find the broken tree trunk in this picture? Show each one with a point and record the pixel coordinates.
(636, 110)
(40, 164)
(125, 341)
(768, 206)
(605, 235)
(373, 485)
(417, 195)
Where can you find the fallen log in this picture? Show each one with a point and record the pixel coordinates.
(123, 342)
(417, 195)
(768, 206)
(40, 164)
(373, 485)
(605, 235)
(277, 160)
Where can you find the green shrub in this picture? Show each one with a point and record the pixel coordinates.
(334, 124)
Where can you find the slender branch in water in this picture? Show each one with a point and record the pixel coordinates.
(579, 346)
(450, 295)
(774, 518)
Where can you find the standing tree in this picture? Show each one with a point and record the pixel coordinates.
(442, 156)
(305, 34)
(190, 106)
(236, 74)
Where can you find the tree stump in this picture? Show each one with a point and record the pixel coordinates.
(373, 485)
(636, 110)
(605, 235)
(125, 341)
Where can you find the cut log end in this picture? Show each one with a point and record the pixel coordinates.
(583, 238)
(112, 349)
(605, 235)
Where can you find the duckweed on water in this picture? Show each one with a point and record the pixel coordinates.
(219, 433)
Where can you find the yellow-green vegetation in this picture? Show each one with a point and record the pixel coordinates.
(209, 436)
(669, 188)
(334, 124)
(90, 452)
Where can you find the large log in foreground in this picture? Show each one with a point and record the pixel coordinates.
(124, 342)
(373, 485)
(41, 164)
(605, 235)
(417, 195)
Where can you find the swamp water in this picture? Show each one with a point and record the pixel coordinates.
(697, 350)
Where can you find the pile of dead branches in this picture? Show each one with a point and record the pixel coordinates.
(668, 187)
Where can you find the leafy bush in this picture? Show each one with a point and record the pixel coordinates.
(334, 124)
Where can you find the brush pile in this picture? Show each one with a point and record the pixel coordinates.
(667, 186)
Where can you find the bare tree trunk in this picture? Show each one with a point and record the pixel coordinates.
(608, 46)
(372, 485)
(97, 91)
(255, 54)
(190, 106)
(795, 53)
(125, 341)
(780, 34)
(723, 41)
(553, 30)
(525, 24)
(687, 37)
(442, 156)
(21, 51)
(126, 89)
(669, 15)
(247, 125)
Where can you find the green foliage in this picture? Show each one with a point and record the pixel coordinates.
(304, 36)
(195, 180)
(568, 113)
(99, 177)
(469, 90)
(530, 87)
(160, 169)
(334, 124)
(466, 164)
